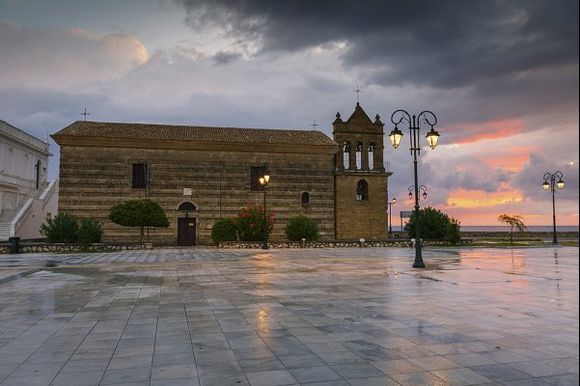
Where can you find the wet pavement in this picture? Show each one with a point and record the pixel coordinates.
(286, 317)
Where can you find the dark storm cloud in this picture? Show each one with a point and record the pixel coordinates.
(429, 42)
(224, 57)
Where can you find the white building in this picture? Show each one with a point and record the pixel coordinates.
(26, 196)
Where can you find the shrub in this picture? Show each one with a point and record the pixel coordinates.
(62, 228)
(90, 231)
(435, 225)
(224, 230)
(139, 213)
(301, 227)
(454, 231)
(251, 224)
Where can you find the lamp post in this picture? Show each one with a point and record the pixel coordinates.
(264, 180)
(415, 122)
(390, 204)
(423, 190)
(550, 183)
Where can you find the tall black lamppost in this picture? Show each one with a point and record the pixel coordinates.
(390, 204)
(415, 122)
(550, 183)
(264, 182)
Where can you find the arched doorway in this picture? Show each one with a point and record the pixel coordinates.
(186, 223)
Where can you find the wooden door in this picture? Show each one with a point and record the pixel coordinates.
(186, 231)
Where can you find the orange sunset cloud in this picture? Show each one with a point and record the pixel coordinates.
(475, 132)
(512, 162)
(464, 198)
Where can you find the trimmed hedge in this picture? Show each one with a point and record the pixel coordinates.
(224, 230)
(301, 227)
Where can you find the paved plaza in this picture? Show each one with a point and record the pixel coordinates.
(288, 317)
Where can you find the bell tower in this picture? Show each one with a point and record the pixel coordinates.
(360, 178)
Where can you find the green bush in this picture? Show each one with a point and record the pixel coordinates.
(251, 223)
(224, 230)
(90, 231)
(435, 225)
(454, 232)
(139, 213)
(62, 228)
(301, 227)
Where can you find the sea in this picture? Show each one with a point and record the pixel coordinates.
(531, 228)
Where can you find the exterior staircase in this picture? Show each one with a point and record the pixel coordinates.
(25, 221)
(6, 218)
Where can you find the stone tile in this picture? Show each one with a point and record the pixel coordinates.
(470, 359)
(500, 373)
(397, 366)
(373, 381)
(461, 377)
(356, 370)
(298, 361)
(261, 364)
(537, 368)
(174, 371)
(271, 378)
(126, 376)
(314, 374)
(417, 379)
(83, 378)
(563, 380)
(434, 363)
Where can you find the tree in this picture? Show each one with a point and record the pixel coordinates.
(435, 225)
(139, 213)
(301, 227)
(514, 222)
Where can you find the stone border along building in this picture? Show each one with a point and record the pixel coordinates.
(201, 174)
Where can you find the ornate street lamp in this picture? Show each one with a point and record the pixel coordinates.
(423, 190)
(264, 180)
(390, 204)
(550, 183)
(415, 122)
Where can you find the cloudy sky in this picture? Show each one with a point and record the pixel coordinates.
(501, 76)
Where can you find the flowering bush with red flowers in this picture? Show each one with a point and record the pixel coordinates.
(251, 223)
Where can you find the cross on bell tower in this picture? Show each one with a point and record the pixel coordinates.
(84, 113)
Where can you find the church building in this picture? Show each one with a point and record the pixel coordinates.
(202, 174)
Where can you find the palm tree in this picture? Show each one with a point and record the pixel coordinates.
(513, 221)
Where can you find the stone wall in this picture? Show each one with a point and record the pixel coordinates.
(400, 243)
(361, 219)
(72, 247)
(93, 179)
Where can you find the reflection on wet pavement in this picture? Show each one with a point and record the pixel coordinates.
(280, 317)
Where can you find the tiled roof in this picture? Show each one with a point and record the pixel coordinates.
(161, 132)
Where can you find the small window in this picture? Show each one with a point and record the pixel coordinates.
(140, 176)
(256, 172)
(362, 191)
(305, 198)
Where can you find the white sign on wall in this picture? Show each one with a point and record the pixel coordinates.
(187, 191)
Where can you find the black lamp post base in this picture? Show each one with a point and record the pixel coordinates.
(418, 264)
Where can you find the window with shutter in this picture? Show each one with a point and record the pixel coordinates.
(140, 176)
